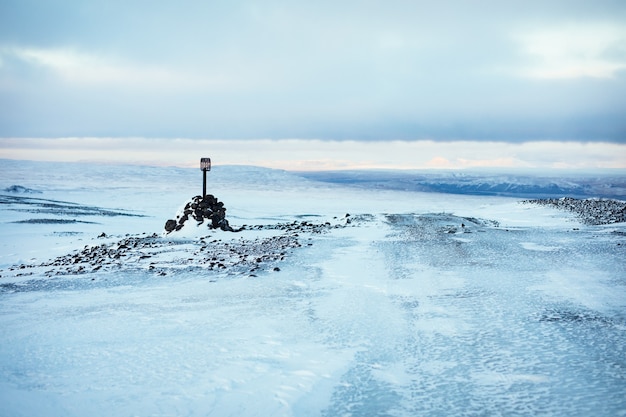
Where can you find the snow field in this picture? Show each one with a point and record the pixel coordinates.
(430, 305)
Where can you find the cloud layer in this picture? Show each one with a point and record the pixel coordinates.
(348, 70)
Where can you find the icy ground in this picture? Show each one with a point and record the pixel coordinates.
(416, 304)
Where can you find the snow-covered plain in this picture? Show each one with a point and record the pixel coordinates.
(417, 304)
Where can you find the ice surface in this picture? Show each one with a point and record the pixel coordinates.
(423, 304)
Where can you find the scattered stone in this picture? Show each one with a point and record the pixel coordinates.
(591, 211)
(163, 256)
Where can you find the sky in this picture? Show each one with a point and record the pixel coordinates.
(319, 76)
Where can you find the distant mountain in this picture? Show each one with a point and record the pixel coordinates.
(604, 185)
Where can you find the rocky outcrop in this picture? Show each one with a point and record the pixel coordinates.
(207, 209)
(592, 211)
(21, 189)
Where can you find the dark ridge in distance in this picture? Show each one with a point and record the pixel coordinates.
(472, 183)
(56, 207)
(52, 221)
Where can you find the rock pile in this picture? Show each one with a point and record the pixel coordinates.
(201, 209)
(591, 211)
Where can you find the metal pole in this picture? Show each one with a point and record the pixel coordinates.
(203, 184)
(205, 165)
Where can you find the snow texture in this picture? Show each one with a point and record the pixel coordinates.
(333, 300)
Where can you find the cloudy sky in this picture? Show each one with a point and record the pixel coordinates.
(341, 71)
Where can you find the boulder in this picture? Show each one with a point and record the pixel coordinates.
(170, 225)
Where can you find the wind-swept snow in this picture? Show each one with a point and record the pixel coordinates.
(333, 301)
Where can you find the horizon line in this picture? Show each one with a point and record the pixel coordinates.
(321, 155)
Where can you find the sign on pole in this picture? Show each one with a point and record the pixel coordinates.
(205, 164)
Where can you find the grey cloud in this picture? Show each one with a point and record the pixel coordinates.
(335, 70)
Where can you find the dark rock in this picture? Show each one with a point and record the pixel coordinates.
(170, 225)
(201, 209)
(21, 189)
